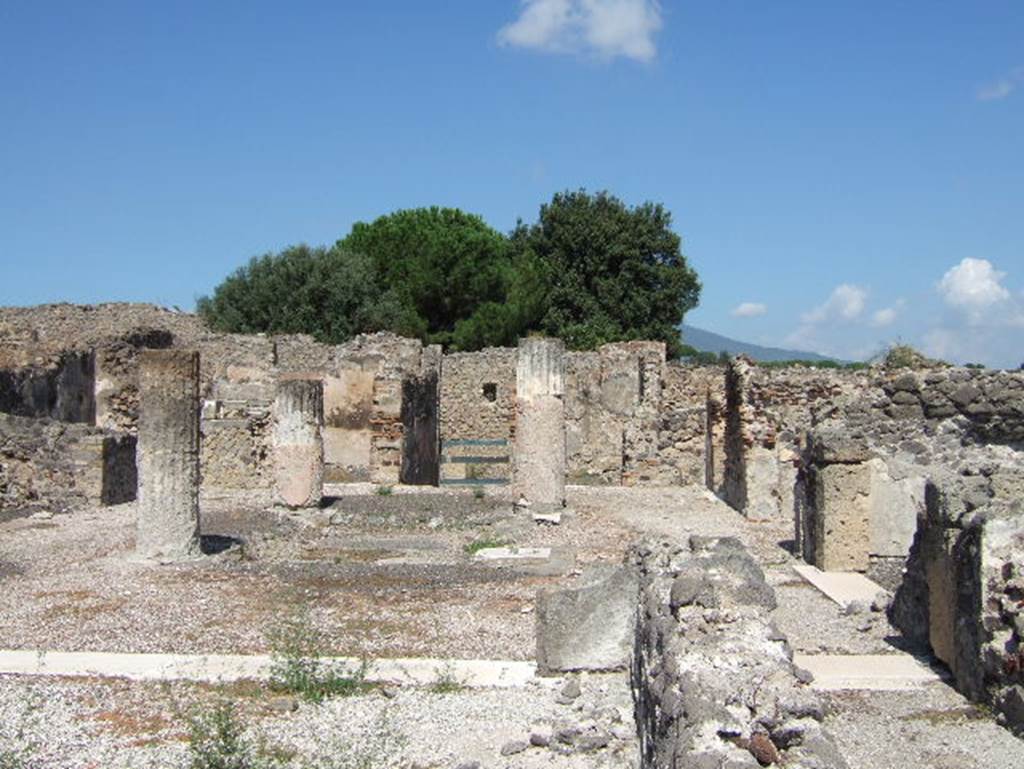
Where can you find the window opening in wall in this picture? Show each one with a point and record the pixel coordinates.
(491, 391)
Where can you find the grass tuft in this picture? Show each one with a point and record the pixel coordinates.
(477, 545)
(298, 666)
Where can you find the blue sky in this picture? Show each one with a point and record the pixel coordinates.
(843, 174)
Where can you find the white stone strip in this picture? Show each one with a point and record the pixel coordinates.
(513, 554)
(879, 672)
(233, 667)
(843, 587)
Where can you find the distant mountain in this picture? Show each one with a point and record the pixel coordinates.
(706, 341)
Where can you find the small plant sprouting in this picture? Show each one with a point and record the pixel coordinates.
(447, 682)
(216, 739)
(477, 545)
(298, 666)
(479, 492)
(384, 491)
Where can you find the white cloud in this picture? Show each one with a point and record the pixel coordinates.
(883, 317)
(846, 302)
(973, 286)
(605, 28)
(1001, 88)
(886, 315)
(749, 310)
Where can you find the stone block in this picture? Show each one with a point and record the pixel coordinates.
(590, 626)
(894, 509)
(831, 445)
(842, 520)
(762, 480)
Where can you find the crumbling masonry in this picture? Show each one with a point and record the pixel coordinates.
(912, 477)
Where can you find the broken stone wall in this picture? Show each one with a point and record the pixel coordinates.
(911, 425)
(691, 431)
(477, 416)
(629, 417)
(767, 413)
(713, 681)
(612, 404)
(59, 386)
(237, 388)
(963, 593)
(117, 376)
(58, 466)
(394, 361)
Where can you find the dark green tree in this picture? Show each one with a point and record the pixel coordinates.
(449, 271)
(331, 294)
(613, 272)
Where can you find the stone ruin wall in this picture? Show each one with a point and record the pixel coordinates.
(630, 417)
(55, 385)
(903, 429)
(767, 413)
(364, 430)
(691, 433)
(80, 363)
(57, 466)
(917, 479)
(477, 416)
(713, 680)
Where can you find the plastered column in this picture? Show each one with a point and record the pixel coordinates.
(540, 422)
(168, 455)
(298, 442)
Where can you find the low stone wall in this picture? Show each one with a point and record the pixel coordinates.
(963, 592)
(713, 681)
(57, 466)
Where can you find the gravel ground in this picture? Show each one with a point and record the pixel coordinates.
(932, 727)
(87, 724)
(389, 575)
(815, 624)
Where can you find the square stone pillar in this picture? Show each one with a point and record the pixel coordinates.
(838, 520)
(842, 502)
(539, 472)
(168, 455)
(298, 441)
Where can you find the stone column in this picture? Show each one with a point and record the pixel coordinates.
(540, 423)
(168, 455)
(840, 499)
(298, 441)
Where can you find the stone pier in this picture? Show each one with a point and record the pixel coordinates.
(840, 501)
(540, 423)
(298, 441)
(168, 455)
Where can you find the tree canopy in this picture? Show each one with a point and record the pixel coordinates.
(450, 271)
(616, 273)
(329, 293)
(590, 271)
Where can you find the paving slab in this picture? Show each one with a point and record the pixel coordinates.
(234, 667)
(512, 554)
(882, 672)
(843, 587)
